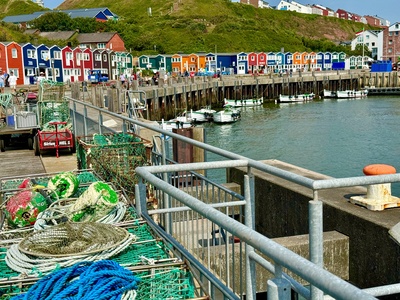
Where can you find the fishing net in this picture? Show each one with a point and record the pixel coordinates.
(5, 100)
(114, 157)
(52, 104)
(166, 283)
(149, 248)
(34, 254)
(51, 91)
(73, 239)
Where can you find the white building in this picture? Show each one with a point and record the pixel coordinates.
(263, 4)
(39, 2)
(294, 6)
(369, 38)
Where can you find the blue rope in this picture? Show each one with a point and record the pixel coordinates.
(102, 280)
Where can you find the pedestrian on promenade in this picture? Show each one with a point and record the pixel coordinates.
(40, 78)
(166, 78)
(122, 79)
(2, 81)
(12, 80)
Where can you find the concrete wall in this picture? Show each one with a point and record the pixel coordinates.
(282, 210)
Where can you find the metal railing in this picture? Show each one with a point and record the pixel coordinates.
(212, 227)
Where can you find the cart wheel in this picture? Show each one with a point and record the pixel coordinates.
(30, 143)
(2, 146)
(36, 148)
(73, 148)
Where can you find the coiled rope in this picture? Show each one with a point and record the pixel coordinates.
(102, 280)
(57, 214)
(20, 262)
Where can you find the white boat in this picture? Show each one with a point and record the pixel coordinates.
(177, 123)
(352, 94)
(205, 114)
(329, 94)
(244, 102)
(296, 98)
(227, 115)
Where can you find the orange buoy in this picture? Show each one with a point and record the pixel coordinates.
(379, 169)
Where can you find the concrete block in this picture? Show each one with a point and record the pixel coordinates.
(229, 264)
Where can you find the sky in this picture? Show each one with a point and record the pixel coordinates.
(52, 3)
(387, 9)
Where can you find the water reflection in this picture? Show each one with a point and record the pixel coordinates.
(336, 138)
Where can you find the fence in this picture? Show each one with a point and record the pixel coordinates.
(213, 227)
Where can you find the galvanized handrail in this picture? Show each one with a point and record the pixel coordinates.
(314, 274)
(310, 271)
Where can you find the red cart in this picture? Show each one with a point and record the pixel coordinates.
(57, 139)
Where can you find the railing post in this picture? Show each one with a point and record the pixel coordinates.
(278, 287)
(249, 222)
(140, 198)
(166, 198)
(100, 123)
(316, 246)
(74, 118)
(85, 127)
(124, 127)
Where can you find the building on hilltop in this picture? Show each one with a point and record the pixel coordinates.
(256, 3)
(325, 11)
(373, 21)
(384, 22)
(39, 2)
(294, 6)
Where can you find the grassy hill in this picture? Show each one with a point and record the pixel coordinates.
(18, 7)
(205, 25)
(11, 8)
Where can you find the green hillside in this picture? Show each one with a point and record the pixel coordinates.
(205, 25)
(18, 7)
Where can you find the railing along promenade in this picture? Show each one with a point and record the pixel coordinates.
(191, 211)
(177, 94)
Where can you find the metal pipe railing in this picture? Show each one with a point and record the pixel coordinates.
(310, 272)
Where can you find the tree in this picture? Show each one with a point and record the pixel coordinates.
(53, 21)
(88, 25)
(359, 50)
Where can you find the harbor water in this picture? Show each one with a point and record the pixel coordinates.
(333, 137)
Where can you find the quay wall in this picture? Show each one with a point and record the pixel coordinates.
(281, 209)
(178, 94)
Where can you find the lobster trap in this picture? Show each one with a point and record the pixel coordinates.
(51, 91)
(114, 157)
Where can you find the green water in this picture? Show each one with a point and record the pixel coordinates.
(333, 137)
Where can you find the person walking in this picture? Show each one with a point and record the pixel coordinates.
(12, 80)
(2, 81)
(122, 78)
(40, 78)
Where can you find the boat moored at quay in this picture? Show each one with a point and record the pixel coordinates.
(228, 115)
(296, 98)
(352, 94)
(244, 102)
